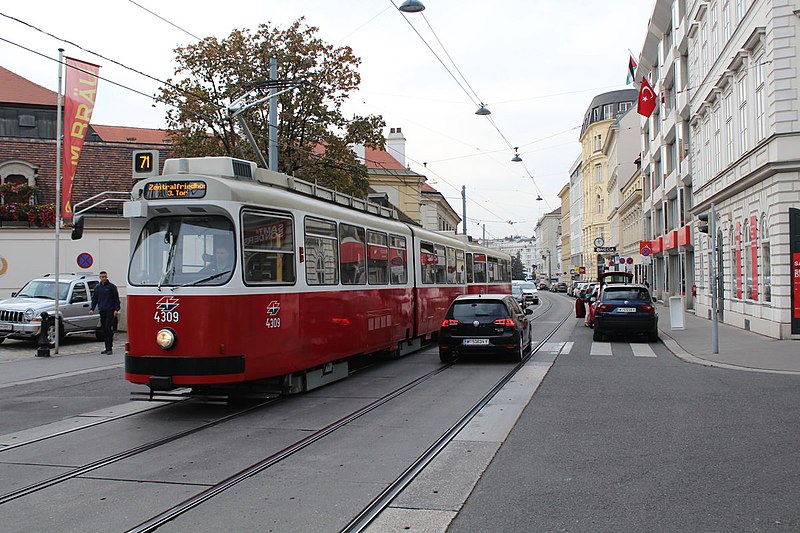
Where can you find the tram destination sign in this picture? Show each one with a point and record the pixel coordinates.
(605, 249)
(172, 190)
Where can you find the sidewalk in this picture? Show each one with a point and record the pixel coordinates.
(738, 348)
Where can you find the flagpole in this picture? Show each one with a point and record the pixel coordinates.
(58, 184)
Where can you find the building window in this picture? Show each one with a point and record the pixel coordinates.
(717, 140)
(726, 21)
(747, 262)
(727, 116)
(707, 154)
(741, 90)
(703, 49)
(761, 126)
(766, 262)
(598, 143)
(714, 36)
(740, 9)
(608, 112)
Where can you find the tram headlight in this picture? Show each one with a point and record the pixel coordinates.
(166, 339)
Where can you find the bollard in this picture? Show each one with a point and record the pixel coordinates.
(44, 344)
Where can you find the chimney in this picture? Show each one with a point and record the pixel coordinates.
(396, 145)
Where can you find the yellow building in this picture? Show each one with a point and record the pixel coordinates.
(602, 112)
(566, 254)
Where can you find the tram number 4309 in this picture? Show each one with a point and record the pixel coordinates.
(273, 323)
(166, 316)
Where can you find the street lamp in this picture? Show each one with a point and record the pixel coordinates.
(411, 6)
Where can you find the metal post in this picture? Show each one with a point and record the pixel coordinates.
(464, 207)
(273, 116)
(44, 344)
(712, 229)
(58, 186)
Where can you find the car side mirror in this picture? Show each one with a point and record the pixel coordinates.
(528, 311)
(655, 299)
(13, 294)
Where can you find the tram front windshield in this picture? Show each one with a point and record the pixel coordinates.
(184, 251)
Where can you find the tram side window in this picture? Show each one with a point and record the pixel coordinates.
(441, 264)
(352, 254)
(451, 265)
(268, 244)
(322, 252)
(378, 262)
(493, 270)
(470, 277)
(427, 257)
(398, 260)
(480, 268)
(506, 270)
(460, 267)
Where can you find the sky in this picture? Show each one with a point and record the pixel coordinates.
(535, 64)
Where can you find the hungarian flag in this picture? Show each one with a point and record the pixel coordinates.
(631, 70)
(647, 99)
(80, 93)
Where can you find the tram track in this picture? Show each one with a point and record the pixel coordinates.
(364, 518)
(275, 458)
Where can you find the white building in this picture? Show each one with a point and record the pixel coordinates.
(726, 132)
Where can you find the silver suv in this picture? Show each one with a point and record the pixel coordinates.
(20, 315)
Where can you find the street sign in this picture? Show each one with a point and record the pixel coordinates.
(145, 164)
(605, 249)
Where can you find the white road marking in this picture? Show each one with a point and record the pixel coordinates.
(552, 347)
(643, 350)
(567, 348)
(600, 348)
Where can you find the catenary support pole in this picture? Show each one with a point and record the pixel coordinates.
(712, 228)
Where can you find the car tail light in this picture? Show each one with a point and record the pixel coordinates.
(603, 308)
(447, 323)
(648, 308)
(505, 322)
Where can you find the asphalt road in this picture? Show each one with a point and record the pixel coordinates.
(624, 443)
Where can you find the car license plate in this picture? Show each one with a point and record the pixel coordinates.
(626, 309)
(476, 342)
(6, 327)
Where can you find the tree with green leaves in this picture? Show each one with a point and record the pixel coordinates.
(313, 133)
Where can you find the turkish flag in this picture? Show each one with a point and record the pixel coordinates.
(647, 99)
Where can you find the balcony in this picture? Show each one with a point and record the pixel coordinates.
(686, 171)
(683, 104)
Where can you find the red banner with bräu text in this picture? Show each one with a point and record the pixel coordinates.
(80, 93)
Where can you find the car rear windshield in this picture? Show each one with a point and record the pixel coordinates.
(625, 293)
(469, 311)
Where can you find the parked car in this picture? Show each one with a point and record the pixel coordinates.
(485, 323)
(560, 287)
(20, 315)
(625, 309)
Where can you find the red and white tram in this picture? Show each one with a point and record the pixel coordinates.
(239, 274)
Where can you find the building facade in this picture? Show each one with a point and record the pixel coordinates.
(726, 132)
(548, 240)
(601, 114)
(565, 250)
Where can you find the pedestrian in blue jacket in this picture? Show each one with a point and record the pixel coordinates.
(106, 299)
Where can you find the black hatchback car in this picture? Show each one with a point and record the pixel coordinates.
(624, 308)
(485, 323)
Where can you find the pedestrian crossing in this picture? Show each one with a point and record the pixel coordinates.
(601, 349)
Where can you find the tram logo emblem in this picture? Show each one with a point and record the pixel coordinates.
(273, 308)
(167, 303)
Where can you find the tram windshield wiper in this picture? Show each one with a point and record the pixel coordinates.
(202, 280)
(170, 260)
